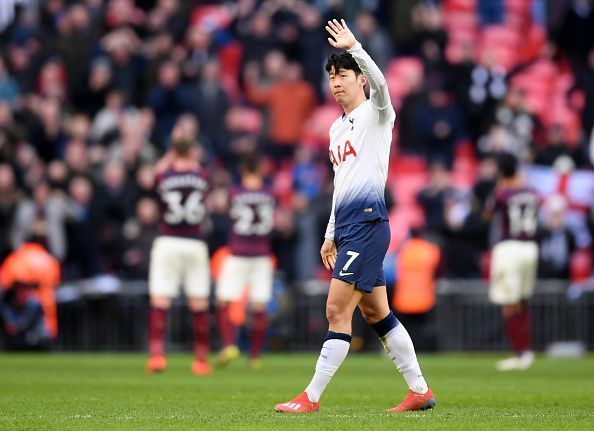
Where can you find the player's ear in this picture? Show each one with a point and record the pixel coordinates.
(362, 80)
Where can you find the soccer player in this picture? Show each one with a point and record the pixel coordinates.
(358, 233)
(513, 212)
(179, 255)
(250, 264)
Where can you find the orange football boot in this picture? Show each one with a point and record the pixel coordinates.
(156, 364)
(200, 367)
(299, 404)
(414, 401)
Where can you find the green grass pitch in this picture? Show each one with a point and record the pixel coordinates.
(107, 392)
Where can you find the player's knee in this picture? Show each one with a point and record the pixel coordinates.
(335, 314)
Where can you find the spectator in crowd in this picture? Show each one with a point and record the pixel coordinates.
(576, 34)
(433, 198)
(112, 206)
(555, 240)
(137, 237)
(47, 132)
(555, 147)
(132, 145)
(440, 126)
(200, 46)
(286, 115)
(83, 257)
(28, 278)
(105, 123)
(466, 234)
(514, 116)
(122, 46)
(168, 99)
(212, 106)
(413, 299)
(9, 89)
(92, 97)
(311, 51)
(74, 45)
(43, 218)
(10, 196)
(374, 37)
(307, 185)
(483, 88)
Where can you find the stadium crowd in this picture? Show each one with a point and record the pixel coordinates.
(91, 89)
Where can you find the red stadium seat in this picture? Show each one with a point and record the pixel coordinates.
(402, 218)
(518, 6)
(406, 186)
(459, 5)
(402, 75)
(404, 164)
(315, 131)
(500, 36)
(460, 21)
(465, 167)
(532, 44)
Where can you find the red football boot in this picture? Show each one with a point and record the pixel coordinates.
(200, 367)
(414, 401)
(299, 404)
(156, 364)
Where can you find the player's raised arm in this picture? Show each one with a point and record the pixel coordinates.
(343, 38)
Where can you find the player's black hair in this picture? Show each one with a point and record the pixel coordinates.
(342, 60)
(251, 163)
(507, 165)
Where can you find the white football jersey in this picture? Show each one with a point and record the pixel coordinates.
(360, 152)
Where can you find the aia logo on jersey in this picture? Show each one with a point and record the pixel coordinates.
(340, 153)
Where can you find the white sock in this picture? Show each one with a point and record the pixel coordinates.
(333, 353)
(401, 351)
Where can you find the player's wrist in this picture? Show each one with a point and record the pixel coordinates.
(354, 47)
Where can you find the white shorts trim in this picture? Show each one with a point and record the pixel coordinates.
(239, 272)
(513, 271)
(177, 262)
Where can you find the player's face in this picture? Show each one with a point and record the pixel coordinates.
(345, 85)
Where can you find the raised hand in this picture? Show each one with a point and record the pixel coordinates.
(342, 38)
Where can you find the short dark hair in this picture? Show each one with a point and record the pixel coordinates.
(507, 165)
(182, 146)
(251, 163)
(342, 60)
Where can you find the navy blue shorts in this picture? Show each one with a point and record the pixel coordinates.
(361, 248)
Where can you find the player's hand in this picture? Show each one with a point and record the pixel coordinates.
(342, 38)
(328, 253)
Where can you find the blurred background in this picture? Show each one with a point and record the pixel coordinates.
(91, 89)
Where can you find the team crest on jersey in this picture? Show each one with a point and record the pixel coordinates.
(340, 153)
